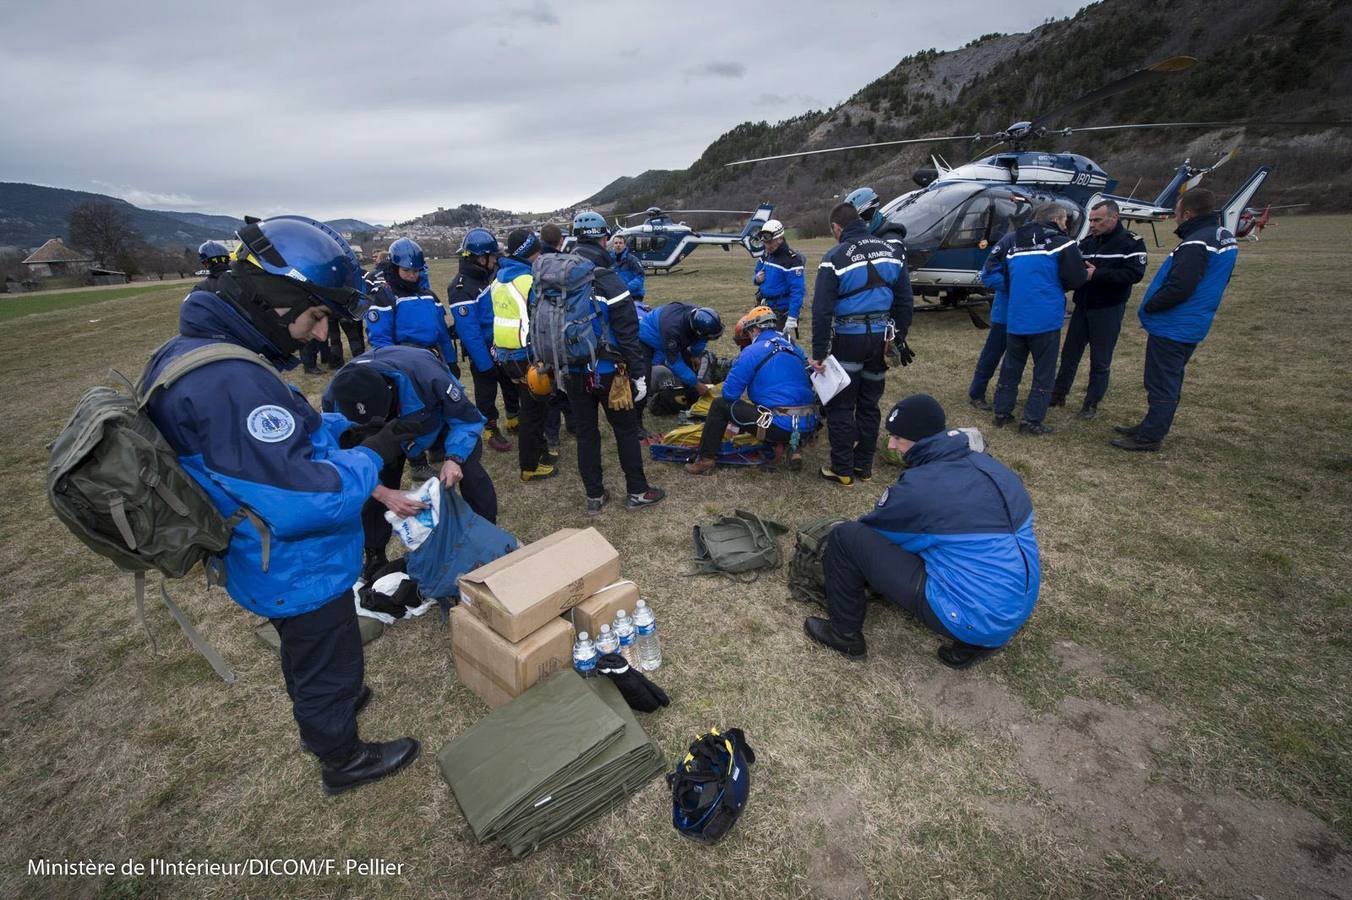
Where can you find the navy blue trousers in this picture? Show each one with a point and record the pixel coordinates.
(853, 416)
(858, 556)
(1042, 347)
(989, 360)
(624, 424)
(486, 386)
(1165, 360)
(1098, 329)
(323, 665)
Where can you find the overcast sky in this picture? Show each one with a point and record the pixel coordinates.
(387, 110)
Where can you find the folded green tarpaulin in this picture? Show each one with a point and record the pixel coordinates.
(522, 751)
(564, 753)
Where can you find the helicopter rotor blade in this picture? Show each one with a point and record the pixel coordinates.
(1128, 82)
(1233, 124)
(926, 140)
(1202, 173)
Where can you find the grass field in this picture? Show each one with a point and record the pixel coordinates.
(1172, 722)
(51, 301)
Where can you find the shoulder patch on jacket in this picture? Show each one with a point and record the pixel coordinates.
(462, 310)
(373, 316)
(454, 392)
(270, 424)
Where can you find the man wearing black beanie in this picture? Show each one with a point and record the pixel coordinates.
(951, 543)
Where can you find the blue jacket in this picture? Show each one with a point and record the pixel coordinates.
(1182, 299)
(478, 343)
(784, 284)
(250, 440)
(429, 395)
(971, 520)
(630, 269)
(859, 276)
(666, 331)
(618, 320)
(1041, 266)
(995, 275)
(462, 302)
(411, 315)
(772, 372)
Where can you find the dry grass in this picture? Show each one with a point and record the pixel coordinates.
(1205, 586)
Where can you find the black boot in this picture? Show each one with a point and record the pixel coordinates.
(959, 655)
(823, 632)
(373, 560)
(370, 762)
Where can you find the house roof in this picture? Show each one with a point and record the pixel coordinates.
(55, 251)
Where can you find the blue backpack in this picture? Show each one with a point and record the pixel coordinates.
(566, 325)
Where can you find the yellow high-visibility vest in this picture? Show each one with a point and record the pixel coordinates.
(511, 320)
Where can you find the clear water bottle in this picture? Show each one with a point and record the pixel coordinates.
(646, 645)
(584, 655)
(624, 630)
(607, 641)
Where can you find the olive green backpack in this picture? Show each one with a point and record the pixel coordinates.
(806, 572)
(737, 545)
(115, 482)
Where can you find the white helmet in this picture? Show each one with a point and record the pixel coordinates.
(773, 228)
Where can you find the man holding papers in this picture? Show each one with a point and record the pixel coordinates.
(861, 304)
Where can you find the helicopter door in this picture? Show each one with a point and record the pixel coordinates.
(972, 226)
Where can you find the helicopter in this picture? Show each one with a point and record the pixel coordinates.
(956, 214)
(1252, 222)
(660, 243)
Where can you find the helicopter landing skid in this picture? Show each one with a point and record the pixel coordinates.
(950, 301)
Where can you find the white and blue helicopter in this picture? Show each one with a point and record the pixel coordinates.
(950, 222)
(660, 243)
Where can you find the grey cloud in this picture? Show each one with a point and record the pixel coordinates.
(538, 13)
(717, 69)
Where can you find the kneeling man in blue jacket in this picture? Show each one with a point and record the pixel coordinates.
(951, 543)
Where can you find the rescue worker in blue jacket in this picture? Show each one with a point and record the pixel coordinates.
(1042, 265)
(503, 338)
(993, 276)
(479, 252)
(589, 385)
(1115, 259)
(780, 283)
(411, 384)
(674, 335)
(771, 372)
(861, 303)
(260, 450)
(405, 311)
(1177, 310)
(216, 258)
(628, 266)
(951, 543)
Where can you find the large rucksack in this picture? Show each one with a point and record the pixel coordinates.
(806, 572)
(563, 327)
(739, 544)
(115, 482)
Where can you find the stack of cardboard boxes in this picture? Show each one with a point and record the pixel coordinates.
(515, 622)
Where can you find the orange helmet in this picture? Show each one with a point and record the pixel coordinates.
(539, 382)
(760, 317)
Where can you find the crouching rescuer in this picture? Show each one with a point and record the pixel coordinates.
(771, 372)
(256, 446)
(951, 543)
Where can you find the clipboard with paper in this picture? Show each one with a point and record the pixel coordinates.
(831, 380)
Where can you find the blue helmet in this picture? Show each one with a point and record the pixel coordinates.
(864, 199)
(590, 224)
(406, 254)
(479, 242)
(212, 250)
(310, 253)
(706, 323)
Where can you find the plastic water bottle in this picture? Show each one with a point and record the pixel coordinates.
(647, 647)
(624, 630)
(607, 641)
(584, 655)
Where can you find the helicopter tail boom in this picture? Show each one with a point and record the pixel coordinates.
(1235, 206)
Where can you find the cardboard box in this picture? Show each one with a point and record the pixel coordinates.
(520, 592)
(498, 670)
(600, 608)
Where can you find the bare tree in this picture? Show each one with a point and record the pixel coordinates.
(104, 230)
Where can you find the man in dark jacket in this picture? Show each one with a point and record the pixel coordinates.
(1039, 268)
(479, 254)
(589, 386)
(861, 302)
(216, 258)
(1177, 310)
(779, 279)
(951, 543)
(1115, 259)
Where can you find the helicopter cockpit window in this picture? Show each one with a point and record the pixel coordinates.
(1007, 214)
(646, 243)
(972, 224)
(929, 214)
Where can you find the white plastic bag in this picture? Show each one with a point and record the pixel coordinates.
(414, 529)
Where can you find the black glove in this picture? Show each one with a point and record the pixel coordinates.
(354, 436)
(905, 355)
(388, 441)
(640, 693)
